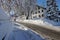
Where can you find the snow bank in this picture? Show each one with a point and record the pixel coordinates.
(42, 23)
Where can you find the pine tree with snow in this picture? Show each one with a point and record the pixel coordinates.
(52, 10)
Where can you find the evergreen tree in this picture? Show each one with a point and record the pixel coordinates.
(52, 10)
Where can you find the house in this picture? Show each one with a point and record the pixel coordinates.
(39, 12)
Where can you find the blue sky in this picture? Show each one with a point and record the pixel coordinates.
(43, 3)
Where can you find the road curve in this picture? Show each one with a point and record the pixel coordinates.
(46, 33)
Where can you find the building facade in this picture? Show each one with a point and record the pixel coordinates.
(39, 12)
(52, 10)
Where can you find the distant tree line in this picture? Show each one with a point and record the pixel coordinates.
(19, 7)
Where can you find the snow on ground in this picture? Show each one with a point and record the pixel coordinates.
(21, 32)
(5, 27)
(52, 22)
(13, 31)
(4, 24)
(42, 23)
(39, 21)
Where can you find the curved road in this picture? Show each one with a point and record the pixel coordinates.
(45, 33)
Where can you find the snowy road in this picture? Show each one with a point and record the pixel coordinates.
(45, 33)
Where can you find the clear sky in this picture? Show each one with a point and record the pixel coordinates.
(43, 3)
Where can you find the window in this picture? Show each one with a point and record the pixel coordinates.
(42, 15)
(34, 16)
(59, 14)
(39, 16)
(42, 10)
(38, 11)
(38, 7)
(49, 10)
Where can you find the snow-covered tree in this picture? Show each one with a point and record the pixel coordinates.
(52, 9)
(19, 7)
(5, 4)
(30, 6)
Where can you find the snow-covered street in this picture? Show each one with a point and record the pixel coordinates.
(46, 33)
(21, 32)
(29, 20)
(17, 32)
(13, 31)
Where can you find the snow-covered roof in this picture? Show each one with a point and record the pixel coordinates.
(3, 15)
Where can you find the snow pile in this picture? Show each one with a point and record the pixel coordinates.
(38, 22)
(41, 22)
